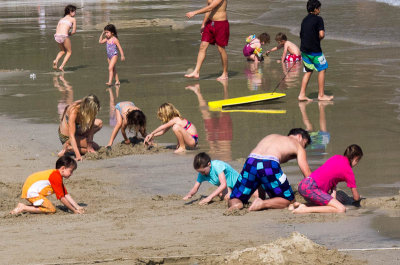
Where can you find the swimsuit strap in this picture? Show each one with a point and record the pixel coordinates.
(187, 126)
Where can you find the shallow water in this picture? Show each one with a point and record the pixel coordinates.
(361, 48)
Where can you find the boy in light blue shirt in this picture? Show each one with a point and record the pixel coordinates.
(216, 172)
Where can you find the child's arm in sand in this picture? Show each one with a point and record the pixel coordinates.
(101, 39)
(274, 49)
(205, 9)
(120, 49)
(160, 130)
(302, 161)
(220, 189)
(193, 191)
(116, 128)
(356, 195)
(72, 131)
(71, 204)
(285, 49)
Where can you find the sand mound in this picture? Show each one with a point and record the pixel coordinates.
(391, 202)
(123, 150)
(143, 23)
(296, 249)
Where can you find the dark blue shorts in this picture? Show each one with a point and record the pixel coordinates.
(264, 171)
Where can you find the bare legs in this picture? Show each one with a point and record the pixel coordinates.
(21, 208)
(112, 71)
(321, 86)
(200, 59)
(184, 138)
(334, 206)
(260, 204)
(65, 48)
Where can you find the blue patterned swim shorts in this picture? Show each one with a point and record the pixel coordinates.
(265, 171)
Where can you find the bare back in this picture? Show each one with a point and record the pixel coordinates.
(292, 48)
(219, 12)
(282, 147)
(64, 25)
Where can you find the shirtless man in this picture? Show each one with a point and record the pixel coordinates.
(262, 168)
(214, 30)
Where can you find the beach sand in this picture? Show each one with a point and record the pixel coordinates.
(133, 218)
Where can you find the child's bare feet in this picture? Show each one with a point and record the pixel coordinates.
(61, 68)
(61, 153)
(301, 209)
(54, 65)
(256, 205)
(194, 74)
(117, 83)
(293, 206)
(304, 98)
(109, 84)
(325, 98)
(195, 88)
(222, 77)
(19, 209)
(180, 150)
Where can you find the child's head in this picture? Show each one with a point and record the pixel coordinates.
(312, 5)
(303, 133)
(66, 166)
(136, 120)
(167, 112)
(353, 153)
(112, 29)
(280, 38)
(69, 9)
(89, 107)
(264, 38)
(202, 163)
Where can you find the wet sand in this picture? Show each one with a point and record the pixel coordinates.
(135, 215)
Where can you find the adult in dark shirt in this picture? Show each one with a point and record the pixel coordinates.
(311, 33)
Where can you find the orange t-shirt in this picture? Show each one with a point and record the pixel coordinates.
(44, 183)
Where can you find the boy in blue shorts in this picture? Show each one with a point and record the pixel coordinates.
(311, 33)
(216, 172)
(262, 168)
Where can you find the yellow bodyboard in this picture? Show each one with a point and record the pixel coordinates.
(244, 100)
(265, 111)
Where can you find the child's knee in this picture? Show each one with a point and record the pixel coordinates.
(176, 128)
(98, 123)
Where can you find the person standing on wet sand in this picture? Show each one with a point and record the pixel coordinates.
(262, 168)
(311, 33)
(62, 36)
(214, 30)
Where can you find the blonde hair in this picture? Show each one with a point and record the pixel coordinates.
(167, 112)
(88, 109)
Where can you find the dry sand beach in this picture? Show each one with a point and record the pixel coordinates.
(133, 196)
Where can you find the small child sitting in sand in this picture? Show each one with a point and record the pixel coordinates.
(128, 115)
(291, 53)
(42, 184)
(216, 172)
(252, 50)
(315, 188)
(184, 130)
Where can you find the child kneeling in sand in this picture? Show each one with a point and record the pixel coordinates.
(216, 172)
(291, 53)
(252, 50)
(184, 130)
(336, 169)
(42, 184)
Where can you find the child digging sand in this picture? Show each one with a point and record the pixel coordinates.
(216, 172)
(336, 169)
(42, 184)
(252, 50)
(291, 53)
(184, 130)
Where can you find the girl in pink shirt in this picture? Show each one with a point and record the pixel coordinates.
(315, 189)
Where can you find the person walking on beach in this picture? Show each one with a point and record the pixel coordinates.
(110, 37)
(78, 125)
(311, 33)
(62, 36)
(214, 30)
(262, 168)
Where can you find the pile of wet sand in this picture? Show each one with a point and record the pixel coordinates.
(391, 202)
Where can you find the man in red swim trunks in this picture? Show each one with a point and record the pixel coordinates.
(214, 30)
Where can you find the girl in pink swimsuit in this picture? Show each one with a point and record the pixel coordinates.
(62, 33)
(110, 37)
(184, 130)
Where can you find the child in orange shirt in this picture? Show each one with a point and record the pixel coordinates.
(42, 184)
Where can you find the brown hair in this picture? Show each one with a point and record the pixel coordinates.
(201, 160)
(353, 151)
(264, 37)
(280, 37)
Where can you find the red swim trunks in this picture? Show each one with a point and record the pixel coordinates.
(292, 58)
(216, 32)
